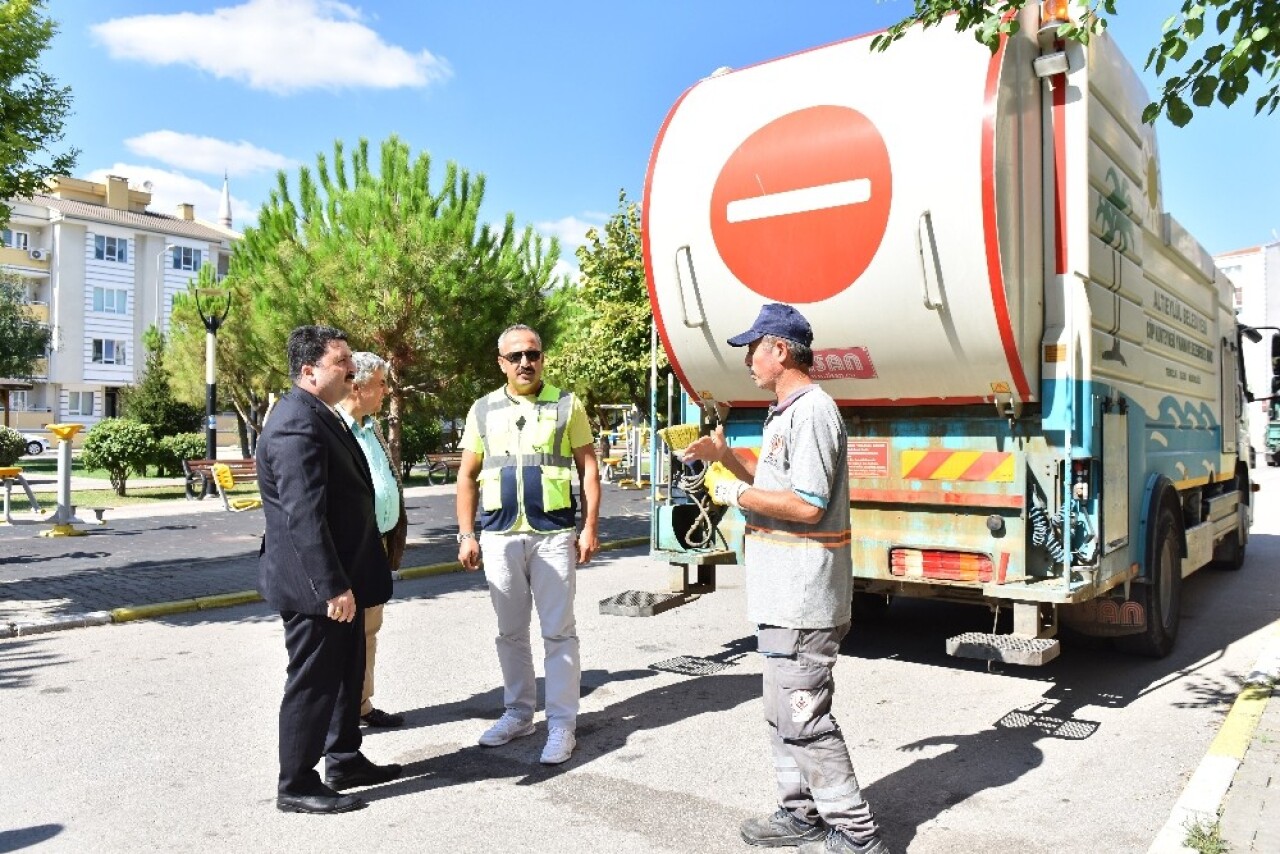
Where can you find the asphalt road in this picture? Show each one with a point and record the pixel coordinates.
(161, 734)
(135, 560)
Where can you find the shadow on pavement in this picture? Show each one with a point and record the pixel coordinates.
(599, 733)
(19, 659)
(25, 837)
(1089, 673)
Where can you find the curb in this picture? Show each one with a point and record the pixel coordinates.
(129, 613)
(1202, 798)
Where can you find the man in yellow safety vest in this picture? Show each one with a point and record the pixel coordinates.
(519, 450)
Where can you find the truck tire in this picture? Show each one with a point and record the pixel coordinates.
(1161, 595)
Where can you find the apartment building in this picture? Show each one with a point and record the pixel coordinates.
(99, 268)
(1255, 273)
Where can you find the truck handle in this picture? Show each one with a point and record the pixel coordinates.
(923, 228)
(683, 271)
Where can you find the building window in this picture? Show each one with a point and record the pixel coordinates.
(111, 300)
(79, 403)
(14, 239)
(17, 401)
(111, 248)
(108, 352)
(186, 258)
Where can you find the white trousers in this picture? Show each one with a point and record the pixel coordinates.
(539, 570)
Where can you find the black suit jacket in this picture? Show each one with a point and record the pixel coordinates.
(317, 497)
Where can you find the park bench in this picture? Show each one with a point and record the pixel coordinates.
(199, 480)
(440, 466)
(224, 480)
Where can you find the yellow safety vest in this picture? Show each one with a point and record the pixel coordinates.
(536, 481)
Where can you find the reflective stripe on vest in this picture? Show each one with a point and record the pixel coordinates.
(528, 470)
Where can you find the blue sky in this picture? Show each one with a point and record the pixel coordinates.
(557, 104)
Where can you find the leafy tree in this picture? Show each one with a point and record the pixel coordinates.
(32, 106)
(604, 351)
(22, 339)
(419, 436)
(152, 402)
(405, 268)
(1238, 41)
(172, 450)
(119, 446)
(12, 446)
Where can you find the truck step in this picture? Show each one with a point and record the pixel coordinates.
(639, 603)
(1010, 649)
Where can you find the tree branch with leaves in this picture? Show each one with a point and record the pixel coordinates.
(1228, 45)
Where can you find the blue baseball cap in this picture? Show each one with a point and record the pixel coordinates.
(780, 321)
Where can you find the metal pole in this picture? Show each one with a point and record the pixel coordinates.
(210, 392)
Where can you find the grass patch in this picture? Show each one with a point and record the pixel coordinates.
(1206, 838)
(137, 495)
(47, 466)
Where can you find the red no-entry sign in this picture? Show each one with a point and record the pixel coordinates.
(801, 206)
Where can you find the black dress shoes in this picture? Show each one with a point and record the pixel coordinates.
(379, 718)
(364, 775)
(318, 804)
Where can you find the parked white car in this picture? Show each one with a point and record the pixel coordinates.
(36, 444)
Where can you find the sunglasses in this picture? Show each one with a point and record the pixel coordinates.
(514, 358)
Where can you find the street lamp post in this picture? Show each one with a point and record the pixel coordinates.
(212, 321)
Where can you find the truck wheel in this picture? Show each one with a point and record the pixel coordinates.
(1161, 595)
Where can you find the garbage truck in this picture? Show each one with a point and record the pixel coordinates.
(1039, 367)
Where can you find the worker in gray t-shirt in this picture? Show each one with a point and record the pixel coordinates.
(796, 501)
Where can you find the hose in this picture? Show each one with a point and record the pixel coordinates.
(691, 480)
(1044, 532)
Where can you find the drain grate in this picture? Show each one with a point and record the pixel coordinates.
(687, 665)
(640, 603)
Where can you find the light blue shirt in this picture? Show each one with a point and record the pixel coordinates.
(386, 495)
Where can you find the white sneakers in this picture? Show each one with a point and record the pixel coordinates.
(560, 744)
(560, 741)
(507, 728)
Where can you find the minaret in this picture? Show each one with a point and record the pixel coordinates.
(224, 209)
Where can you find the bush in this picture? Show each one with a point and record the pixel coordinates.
(120, 447)
(172, 450)
(12, 446)
(418, 437)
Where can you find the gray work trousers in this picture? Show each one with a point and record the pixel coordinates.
(811, 762)
(526, 571)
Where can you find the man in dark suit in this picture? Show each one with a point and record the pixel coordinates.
(322, 563)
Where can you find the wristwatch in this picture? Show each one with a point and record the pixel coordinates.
(466, 536)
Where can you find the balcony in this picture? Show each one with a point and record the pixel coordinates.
(38, 311)
(21, 258)
(40, 369)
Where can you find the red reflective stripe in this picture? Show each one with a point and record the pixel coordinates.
(984, 465)
(646, 252)
(924, 496)
(928, 464)
(995, 276)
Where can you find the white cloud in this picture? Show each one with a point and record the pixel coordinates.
(564, 268)
(170, 189)
(571, 230)
(282, 46)
(206, 154)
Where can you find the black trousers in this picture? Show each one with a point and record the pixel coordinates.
(320, 712)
